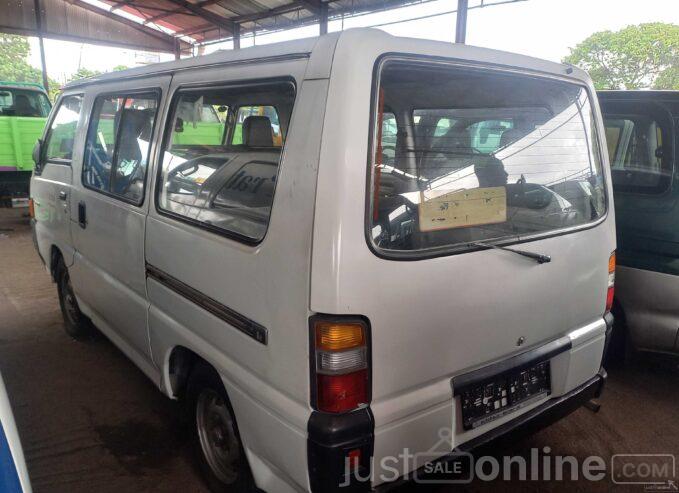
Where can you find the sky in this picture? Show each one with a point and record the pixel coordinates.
(540, 28)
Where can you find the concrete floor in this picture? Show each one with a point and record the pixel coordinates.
(91, 422)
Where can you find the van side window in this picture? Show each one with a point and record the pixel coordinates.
(635, 136)
(60, 137)
(117, 147)
(226, 184)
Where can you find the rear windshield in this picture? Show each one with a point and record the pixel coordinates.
(23, 102)
(463, 156)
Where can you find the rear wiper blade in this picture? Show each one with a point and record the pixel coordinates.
(538, 257)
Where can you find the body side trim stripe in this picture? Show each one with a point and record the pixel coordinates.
(228, 315)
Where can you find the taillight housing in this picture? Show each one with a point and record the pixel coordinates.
(611, 282)
(340, 373)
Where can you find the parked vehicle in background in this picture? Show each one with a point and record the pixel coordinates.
(642, 139)
(318, 299)
(13, 472)
(23, 112)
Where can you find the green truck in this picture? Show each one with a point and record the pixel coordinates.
(24, 108)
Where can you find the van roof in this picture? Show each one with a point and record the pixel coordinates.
(640, 95)
(356, 36)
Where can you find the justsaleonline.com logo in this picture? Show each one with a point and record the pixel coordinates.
(656, 472)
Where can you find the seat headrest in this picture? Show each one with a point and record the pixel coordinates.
(257, 132)
(510, 136)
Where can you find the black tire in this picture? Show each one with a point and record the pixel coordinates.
(76, 324)
(219, 453)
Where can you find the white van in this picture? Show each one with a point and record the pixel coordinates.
(341, 252)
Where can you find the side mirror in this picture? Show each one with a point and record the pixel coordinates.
(37, 152)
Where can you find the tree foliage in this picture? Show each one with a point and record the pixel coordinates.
(14, 66)
(636, 57)
(83, 73)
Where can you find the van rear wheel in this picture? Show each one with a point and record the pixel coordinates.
(217, 444)
(77, 325)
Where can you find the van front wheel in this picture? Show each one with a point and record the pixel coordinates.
(217, 444)
(77, 325)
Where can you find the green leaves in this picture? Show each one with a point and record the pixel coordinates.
(14, 66)
(635, 57)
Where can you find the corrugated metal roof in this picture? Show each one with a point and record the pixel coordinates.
(76, 21)
(159, 23)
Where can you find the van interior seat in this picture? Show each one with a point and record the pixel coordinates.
(257, 132)
(510, 136)
(135, 122)
(448, 153)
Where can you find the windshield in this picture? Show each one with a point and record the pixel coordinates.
(23, 102)
(463, 156)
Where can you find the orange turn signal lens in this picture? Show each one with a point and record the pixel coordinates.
(332, 336)
(611, 263)
(31, 208)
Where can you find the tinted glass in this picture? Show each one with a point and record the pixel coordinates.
(483, 156)
(227, 183)
(117, 147)
(59, 143)
(637, 136)
(23, 102)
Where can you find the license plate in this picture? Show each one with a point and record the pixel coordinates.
(503, 394)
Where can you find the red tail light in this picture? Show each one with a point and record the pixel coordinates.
(341, 393)
(340, 374)
(611, 282)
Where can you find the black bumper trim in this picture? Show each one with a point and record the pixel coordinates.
(331, 437)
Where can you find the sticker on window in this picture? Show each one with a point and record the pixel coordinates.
(462, 208)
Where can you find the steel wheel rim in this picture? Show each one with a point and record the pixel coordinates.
(217, 436)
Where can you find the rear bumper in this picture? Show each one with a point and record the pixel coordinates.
(524, 425)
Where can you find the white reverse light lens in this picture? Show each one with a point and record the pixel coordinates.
(332, 363)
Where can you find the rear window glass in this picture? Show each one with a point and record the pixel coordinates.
(479, 156)
(639, 147)
(23, 102)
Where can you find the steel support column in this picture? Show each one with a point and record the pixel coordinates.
(38, 27)
(323, 17)
(461, 24)
(236, 37)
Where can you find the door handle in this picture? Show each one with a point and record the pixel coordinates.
(63, 195)
(82, 217)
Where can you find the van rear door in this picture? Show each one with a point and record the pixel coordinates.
(481, 232)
